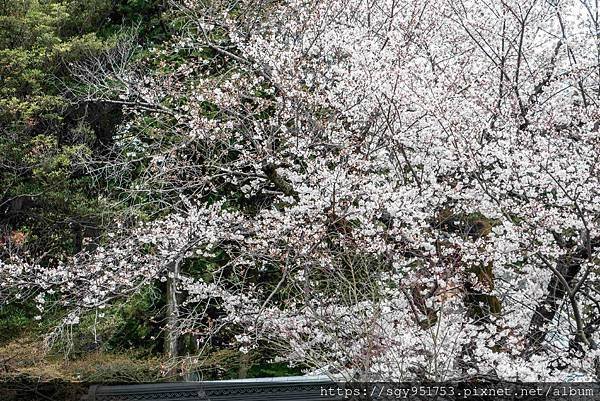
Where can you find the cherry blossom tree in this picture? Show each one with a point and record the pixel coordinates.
(397, 189)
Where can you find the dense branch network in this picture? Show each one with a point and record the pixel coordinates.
(402, 188)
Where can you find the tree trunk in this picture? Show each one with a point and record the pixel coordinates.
(171, 331)
(546, 311)
(244, 365)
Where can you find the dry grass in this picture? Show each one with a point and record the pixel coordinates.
(26, 357)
